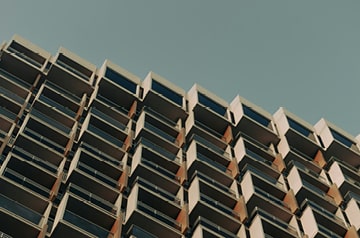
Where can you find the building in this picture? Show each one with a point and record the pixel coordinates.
(97, 152)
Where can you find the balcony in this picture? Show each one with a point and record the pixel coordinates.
(26, 183)
(75, 72)
(163, 97)
(265, 224)
(115, 161)
(325, 223)
(210, 229)
(158, 131)
(345, 176)
(14, 83)
(299, 134)
(253, 121)
(214, 165)
(118, 85)
(19, 220)
(137, 232)
(154, 214)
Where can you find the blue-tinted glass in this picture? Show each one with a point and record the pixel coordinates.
(256, 116)
(299, 128)
(211, 104)
(341, 138)
(120, 80)
(166, 92)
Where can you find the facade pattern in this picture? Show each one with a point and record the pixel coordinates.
(97, 152)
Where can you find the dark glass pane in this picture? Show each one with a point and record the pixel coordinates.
(211, 104)
(166, 92)
(120, 80)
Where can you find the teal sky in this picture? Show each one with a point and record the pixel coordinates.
(302, 55)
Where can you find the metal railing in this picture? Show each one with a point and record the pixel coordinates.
(210, 146)
(270, 197)
(9, 114)
(159, 132)
(219, 206)
(213, 163)
(158, 215)
(214, 227)
(12, 95)
(44, 140)
(99, 175)
(214, 183)
(50, 121)
(92, 198)
(101, 154)
(160, 150)
(109, 119)
(36, 160)
(105, 135)
(161, 170)
(158, 190)
(72, 70)
(25, 57)
(58, 106)
(15, 79)
(26, 182)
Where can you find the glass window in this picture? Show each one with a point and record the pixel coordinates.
(337, 136)
(299, 128)
(166, 92)
(211, 104)
(256, 116)
(120, 80)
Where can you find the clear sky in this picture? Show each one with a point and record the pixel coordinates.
(302, 55)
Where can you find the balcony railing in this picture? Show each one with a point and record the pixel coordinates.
(318, 191)
(208, 129)
(92, 198)
(112, 105)
(26, 182)
(219, 206)
(148, 144)
(51, 121)
(158, 215)
(156, 189)
(263, 176)
(327, 232)
(25, 57)
(270, 197)
(72, 70)
(9, 114)
(4, 235)
(101, 154)
(214, 183)
(15, 79)
(47, 142)
(161, 170)
(109, 119)
(258, 157)
(20, 210)
(213, 163)
(273, 219)
(210, 146)
(105, 135)
(311, 173)
(85, 224)
(159, 132)
(322, 211)
(137, 232)
(58, 106)
(11, 95)
(214, 227)
(36, 160)
(162, 118)
(99, 175)
(63, 91)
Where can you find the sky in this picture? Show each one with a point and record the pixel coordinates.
(301, 55)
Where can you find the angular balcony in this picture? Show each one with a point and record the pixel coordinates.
(10, 109)
(352, 210)
(136, 232)
(23, 213)
(299, 133)
(94, 181)
(31, 149)
(154, 213)
(253, 121)
(308, 186)
(80, 218)
(158, 130)
(14, 83)
(338, 143)
(164, 97)
(76, 74)
(23, 58)
(115, 172)
(290, 154)
(318, 222)
(118, 85)
(162, 173)
(344, 175)
(219, 137)
(205, 228)
(212, 203)
(100, 134)
(216, 165)
(249, 151)
(265, 225)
